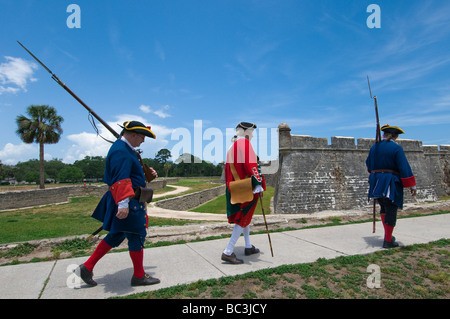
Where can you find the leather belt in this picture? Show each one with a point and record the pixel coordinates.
(385, 171)
(142, 194)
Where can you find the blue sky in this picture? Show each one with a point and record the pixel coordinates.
(176, 65)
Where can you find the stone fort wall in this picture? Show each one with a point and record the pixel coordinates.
(314, 175)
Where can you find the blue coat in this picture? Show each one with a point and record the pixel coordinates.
(388, 155)
(123, 173)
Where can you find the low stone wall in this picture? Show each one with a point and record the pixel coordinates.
(55, 195)
(189, 201)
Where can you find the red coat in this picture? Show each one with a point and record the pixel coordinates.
(245, 161)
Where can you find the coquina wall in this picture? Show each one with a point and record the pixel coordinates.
(313, 175)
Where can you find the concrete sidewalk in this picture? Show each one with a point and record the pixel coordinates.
(186, 263)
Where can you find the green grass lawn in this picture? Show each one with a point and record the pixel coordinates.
(58, 220)
(219, 205)
(49, 221)
(418, 271)
(69, 219)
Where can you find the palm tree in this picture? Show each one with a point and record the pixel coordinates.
(43, 127)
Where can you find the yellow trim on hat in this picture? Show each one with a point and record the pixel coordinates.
(387, 126)
(137, 128)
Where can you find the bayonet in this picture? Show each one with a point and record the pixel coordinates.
(378, 133)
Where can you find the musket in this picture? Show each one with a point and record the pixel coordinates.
(95, 233)
(378, 133)
(147, 172)
(377, 140)
(265, 222)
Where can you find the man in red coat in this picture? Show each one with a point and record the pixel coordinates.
(242, 156)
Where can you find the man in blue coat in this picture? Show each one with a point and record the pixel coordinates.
(390, 172)
(119, 210)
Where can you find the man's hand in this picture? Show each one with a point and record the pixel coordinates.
(122, 213)
(154, 173)
(413, 191)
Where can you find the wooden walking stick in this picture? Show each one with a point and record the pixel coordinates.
(265, 222)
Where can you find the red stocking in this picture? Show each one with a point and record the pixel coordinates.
(388, 232)
(137, 257)
(99, 252)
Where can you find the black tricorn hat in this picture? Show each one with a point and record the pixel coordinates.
(392, 129)
(139, 128)
(246, 125)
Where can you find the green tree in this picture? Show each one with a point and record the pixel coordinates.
(167, 167)
(23, 168)
(53, 167)
(163, 156)
(43, 126)
(92, 166)
(71, 173)
(32, 177)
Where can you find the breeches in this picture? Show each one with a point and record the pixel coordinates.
(135, 241)
(390, 211)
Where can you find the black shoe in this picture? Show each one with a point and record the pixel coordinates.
(86, 275)
(251, 251)
(232, 259)
(390, 244)
(144, 281)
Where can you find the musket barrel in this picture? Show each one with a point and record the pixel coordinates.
(147, 172)
(61, 83)
(377, 140)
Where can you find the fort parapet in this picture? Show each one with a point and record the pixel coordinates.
(314, 175)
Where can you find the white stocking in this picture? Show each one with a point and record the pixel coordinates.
(237, 231)
(248, 244)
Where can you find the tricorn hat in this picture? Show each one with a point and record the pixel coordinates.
(138, 127)
(246, 125)
(392, 129)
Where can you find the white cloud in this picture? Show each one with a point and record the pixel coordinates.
(160, 113)
(86, 144)
(12, 154)
(145, 108)
(89, 144)
(15, 73)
